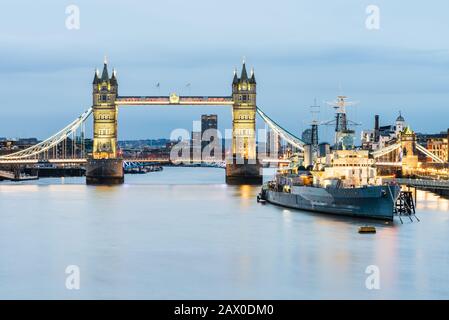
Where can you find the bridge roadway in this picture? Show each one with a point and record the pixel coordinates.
(80, 161)
(173, 100)
(83, 161)
(37, 161)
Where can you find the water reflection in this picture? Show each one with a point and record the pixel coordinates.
(183, 233)
(246, 191)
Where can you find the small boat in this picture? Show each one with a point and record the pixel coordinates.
(14, 176)
(367, 229)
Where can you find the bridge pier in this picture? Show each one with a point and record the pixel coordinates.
(104, 171)
(244, 173)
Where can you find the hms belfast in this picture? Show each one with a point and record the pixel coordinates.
(342, 182)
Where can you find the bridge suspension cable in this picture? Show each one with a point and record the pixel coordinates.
(284, 134)
(383, 151)
(52, 142)
(429, 154)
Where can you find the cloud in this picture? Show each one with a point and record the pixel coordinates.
(20, 58)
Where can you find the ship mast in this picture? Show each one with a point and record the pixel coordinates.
(314, 110)
(341, 122)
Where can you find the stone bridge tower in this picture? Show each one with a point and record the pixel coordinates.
(105, 115)
(408, 145)
(244, 167)
(104, 167)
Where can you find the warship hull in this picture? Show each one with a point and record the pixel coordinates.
(374, 202)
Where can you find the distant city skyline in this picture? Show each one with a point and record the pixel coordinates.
(300, 51)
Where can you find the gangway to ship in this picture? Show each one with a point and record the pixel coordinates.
(405, 206)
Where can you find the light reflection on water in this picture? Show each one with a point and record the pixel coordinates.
(183, 233)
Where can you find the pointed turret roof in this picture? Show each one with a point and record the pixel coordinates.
(113, 78)
(105, 75)
(236, 79)
(253, 77)
(96, 79)
(244, 76)
(407, 130)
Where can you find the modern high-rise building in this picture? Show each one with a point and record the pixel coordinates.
(273, 144)
(306, 136)
(208, 121)
(209, 134)
(196, 146)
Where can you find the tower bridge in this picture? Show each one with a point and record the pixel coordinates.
(105, 166)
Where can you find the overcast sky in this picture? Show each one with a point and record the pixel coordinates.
(300, 50)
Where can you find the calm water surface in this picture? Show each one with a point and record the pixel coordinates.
(183, 233)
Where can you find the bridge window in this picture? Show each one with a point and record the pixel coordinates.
(104, 117)
(104, 131)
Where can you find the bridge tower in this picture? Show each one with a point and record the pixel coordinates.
(104, 167)
(408, 145)
(243, 167)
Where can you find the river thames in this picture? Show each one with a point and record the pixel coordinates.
(184, 234)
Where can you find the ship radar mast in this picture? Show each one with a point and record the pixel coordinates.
(344, 137)
(314, 111)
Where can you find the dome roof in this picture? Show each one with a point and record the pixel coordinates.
(400, 117)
